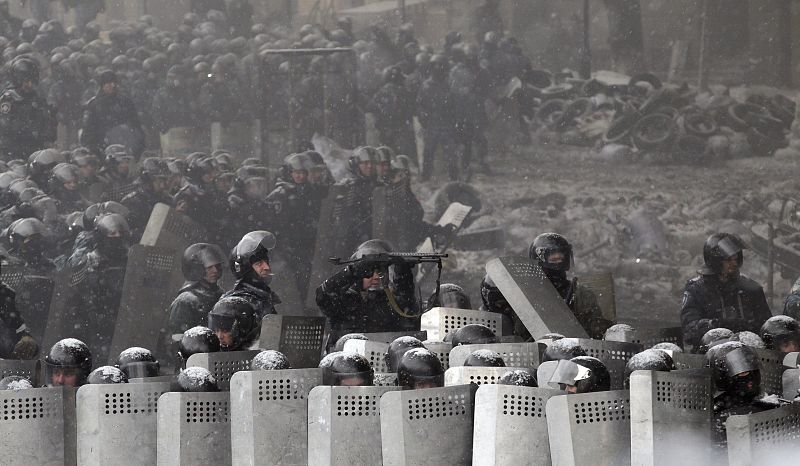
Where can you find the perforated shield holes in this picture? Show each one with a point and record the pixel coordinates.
(28, 407)
(768, 437)
(207, 412)
(771, 363)
(513, 354)
(357, 405)
(523, 405)
(127, 403)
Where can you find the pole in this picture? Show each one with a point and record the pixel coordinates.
(771, 265)
(702, 67)
(586, 52)
(401, 7)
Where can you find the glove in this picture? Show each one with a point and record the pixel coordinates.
(26, 348)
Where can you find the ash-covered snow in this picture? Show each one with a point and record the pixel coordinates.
(650, 359)
(668, 346)
(198, 331)
(485, 355)
(135, 353)
(197, 375)
(270, 360)
(328, 359)
(406, 341)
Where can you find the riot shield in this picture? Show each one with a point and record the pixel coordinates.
(590, 428)
(344, 425)
(170, 230)
(117, 423)
(647, 337)
(334, 222)
(223, 365)
(533, 298)
(791, 384)
(432, 426)
(181, 141)
(388, 337)
(602, 285)
(615, 356)
(152, 278)
(242, 138)
(38, 427)
(688, 361)
(771, 363)
(194, 428)
(465, 375)
(261, 400)
(513, 354)
(507, 417)
(159, 378)
(671, 417)
(374, 351)
(25, 368)
(59, 323)
(301, 339)
(440, 321)
(441, 350)
(768, 437)
(117, 193)
(33, 296)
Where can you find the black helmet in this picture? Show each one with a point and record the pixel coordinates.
(269, 360)
(154, 168)
(548, 243)
(449, 295)
(718, 247)
(197, 340)
(111, 224)
(619, 332)
(493, 300)
(484, 358)
(748, 339)
(95, 211)
(372, 246)
(398, 348)
(327, 360)
(735, 368)
(106, 77)
(235, 315)
(138, 362)
(198, 257)
(64, 173)
(585, 373)
(43, 161)
(15, 383)
(564, 348)
(648, 360)
(339, 346)
(293, 163)
(519, 378)
(713, 337)
(420, 368)
(66, 358)
(350, 369)
(473, 334)
(197, 379)
(23, 229)
(779, 331)
(107, 375)
(24, 69)
(363, 154)
(253, 247)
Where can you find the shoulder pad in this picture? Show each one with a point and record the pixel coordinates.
(748, 284)
(11, 94)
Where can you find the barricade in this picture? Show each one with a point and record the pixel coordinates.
(513, 354)
(464, 375)
(440, 321)
(194, 428)
(768, 437)
(222, 365)
(301, 339)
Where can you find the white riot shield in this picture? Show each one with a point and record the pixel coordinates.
(152, 278)
(440, 321)
(441, 350)
(768, 437)
(533, 298)
(688, 360)
(262, 400)
(507, 417)
(374, 351)
(182, 141)
(193, 429)
(222, 365)
(117, 423)
(465, 375)
(25, 368)
(513, 354)
(301, 339)
(38, 427)
(671, 417)
(171, 230)
(647, 337)
(431, 426)
(388, 337)
(590, 429)
(615, 356)
(772, 368)
(242, 138)
(791, 384)
(344, 425)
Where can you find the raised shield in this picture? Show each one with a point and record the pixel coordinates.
(194, 428)
(772, 368)
(117, 423)
(261, 400)
(301, 339)
(671, 416)
(25, 368)
(38, 426)
(513, 354)
(791, 384)
(344, 425)
(647, 337)
(374, 351)
(465, 375)
(768, 437)
(441, 350)
(222, 365)
(440, 321)
(168, 229)
(602, 285)
(118, 192)
(59, 323)
(590, 428)
(432, 426)
(152, 278)
(615, 356)
(533, 298)
(33, 296)
(506, 417)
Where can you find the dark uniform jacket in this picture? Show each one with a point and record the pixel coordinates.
(27, 123)
(106, 112)
(191, 307)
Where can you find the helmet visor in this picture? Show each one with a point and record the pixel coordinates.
(568, 373)
(430, 381)
(730, 247)
(210, 255)
(347, 379)
(62, 375)
(221, 322)
(741, 360)
(141, 369)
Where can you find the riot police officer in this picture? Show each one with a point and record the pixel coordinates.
(202, 268)
(348, 370)
(151, 188)
(235, 322)
(138, 362)
(436, 112)
(781, 333)
(68, 363)
(249, 263)
(450, 295)
(196, 340)
(361, 180)
(16, 341)
(397, 348)
(107, 110)
(369, 297)
(554, 255)
(393, 108)
(720, 296)
(473, 334)
(581, 374)
(420, 368)
(27, 122)
(197, 379)
(106, 375)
